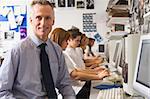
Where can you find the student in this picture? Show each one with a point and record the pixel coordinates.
(22, 74)
(60, 36)
(76, 73)
(89, 51)
(90, 61)
(77, 69)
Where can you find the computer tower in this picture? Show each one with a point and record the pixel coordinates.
(131, 50)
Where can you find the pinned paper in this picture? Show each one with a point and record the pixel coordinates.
(23, 9)
(4, 11)
(19, 19)
(4, 26)
(11, 20)
(17, 10)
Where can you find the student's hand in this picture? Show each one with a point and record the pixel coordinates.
(99, 60)
(103, 74)
(93, 66)
(99, 69)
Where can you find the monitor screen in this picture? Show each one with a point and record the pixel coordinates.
(119, 27)
(107, 52)
(142, 72)
(115, 53)
(101, 48)
(122, 56)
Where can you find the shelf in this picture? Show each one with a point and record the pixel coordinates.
(117, 35)
(117, 20)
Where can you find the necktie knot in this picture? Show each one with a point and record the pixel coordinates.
(42, 46)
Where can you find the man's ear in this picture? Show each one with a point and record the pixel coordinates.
(53, 22)
(30, 20)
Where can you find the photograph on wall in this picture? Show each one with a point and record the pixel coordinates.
(81, 4)
(9, 35)
(88, 24)
(98, 37)
(90, 4)
(71, 3)
(61, 3)
(53, 2)
(23, 32)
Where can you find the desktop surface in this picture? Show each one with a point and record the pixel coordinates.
(95, 92)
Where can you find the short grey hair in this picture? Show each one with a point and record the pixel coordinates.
(42, 2)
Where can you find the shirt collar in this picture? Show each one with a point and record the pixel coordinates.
(36, 40)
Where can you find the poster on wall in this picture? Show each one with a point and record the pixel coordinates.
(53, 2)
(98, 37)
(14, 18)
(13, 23)
(71, 3)
(23, 32)
(9, 35)
(81, 4)
(61, 3)
(89, 25)
(90, 4)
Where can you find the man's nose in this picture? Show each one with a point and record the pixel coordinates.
(43, 21)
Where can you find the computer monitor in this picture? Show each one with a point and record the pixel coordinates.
(141, 81)
(106, 52)
(101, 48)
(121, 56)
(115, 55)
(128, 69)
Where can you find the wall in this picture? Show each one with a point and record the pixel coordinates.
(67, 17)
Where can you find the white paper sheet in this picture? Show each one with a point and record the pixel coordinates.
(4, 26)
(11, 19)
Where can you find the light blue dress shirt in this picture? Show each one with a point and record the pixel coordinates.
(20, 73)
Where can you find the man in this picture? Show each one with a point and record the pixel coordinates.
(90, 44)
(22, 75)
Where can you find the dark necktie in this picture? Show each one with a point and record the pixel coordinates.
(46, 73)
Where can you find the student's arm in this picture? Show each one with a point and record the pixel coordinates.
(89, 71)
(64, 81)
(7, 74)
(83, 75)
(96, 70)
(79, 75)
(94, 61)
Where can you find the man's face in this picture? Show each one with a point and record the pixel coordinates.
(42, 20)
(74, 42)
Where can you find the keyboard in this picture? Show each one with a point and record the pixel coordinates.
(114, 77)
(114, 93)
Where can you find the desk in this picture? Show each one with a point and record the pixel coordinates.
(94, 92)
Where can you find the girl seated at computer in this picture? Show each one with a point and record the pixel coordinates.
(75, 64)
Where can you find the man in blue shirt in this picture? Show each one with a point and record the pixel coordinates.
(20, 73)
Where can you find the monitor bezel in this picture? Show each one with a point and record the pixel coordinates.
(140, 88)
(121, 56)
(117, 54)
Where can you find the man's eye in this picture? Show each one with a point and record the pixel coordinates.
(48, 18)
(38, 17)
